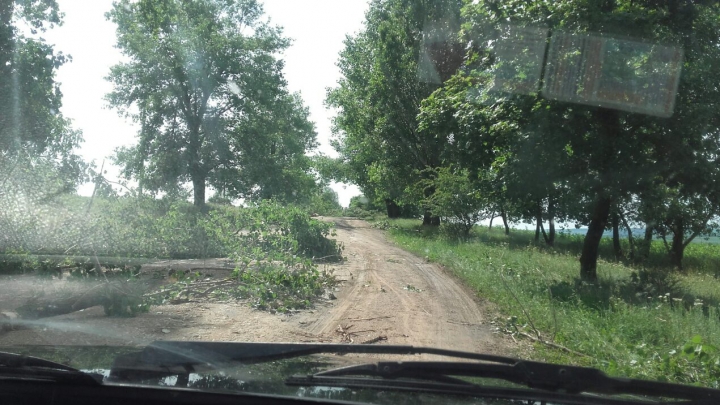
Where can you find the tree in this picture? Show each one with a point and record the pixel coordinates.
(406, 50)
(325, 202)
(203, 83)
(455, 197)
(31, 126)
(599, 154)
(269, 159)
(37, 144)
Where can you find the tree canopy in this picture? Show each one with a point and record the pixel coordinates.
(585, 111)
(204, 83)
(37, 144)
(404, 52)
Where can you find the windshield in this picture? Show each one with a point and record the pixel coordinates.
(522, 178)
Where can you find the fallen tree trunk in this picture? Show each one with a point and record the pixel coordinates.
(65, 303)
(117, 299)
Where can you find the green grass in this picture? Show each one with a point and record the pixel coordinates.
(636, 322)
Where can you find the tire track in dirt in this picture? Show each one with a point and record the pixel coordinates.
(389, 292)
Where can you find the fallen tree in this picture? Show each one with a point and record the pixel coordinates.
(118, 298)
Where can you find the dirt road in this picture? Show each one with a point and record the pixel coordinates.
(390, 292)
(386, 296)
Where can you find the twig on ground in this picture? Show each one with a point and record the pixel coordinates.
(369, 319)
(343, 331)
(462, 323)
(362, 331)
(200, 288)
(325, 257)
(553, 345)
(375, 340)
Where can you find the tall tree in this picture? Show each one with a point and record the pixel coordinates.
(33, 132)
(38, 157)
(405, 51)
(201, 79)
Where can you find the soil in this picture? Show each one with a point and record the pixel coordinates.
(385, 296)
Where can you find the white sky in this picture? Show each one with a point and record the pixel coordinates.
(318, 28)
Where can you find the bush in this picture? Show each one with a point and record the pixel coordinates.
(277, 288)
(455, 196)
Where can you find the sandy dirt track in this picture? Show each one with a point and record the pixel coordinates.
(386, 296)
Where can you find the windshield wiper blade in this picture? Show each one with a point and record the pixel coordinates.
(536, 375)
(19, 360)
(18, 366)
(164, 358)
(203, 352)
(467, 389)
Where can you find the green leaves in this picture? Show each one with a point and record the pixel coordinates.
(456, 196)
(696, 349)
(386, 70)
(562, 156)
(211, 100)
(32, 130)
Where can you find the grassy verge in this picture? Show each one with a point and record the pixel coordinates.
(636, 322)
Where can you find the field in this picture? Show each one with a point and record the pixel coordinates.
(639, 233)
(638, 321)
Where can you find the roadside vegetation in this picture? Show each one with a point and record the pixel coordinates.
(277, 249)
(214, 113)
(643, 321)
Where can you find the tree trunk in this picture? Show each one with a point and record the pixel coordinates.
(393, 210)
(71, 301)
(609, 122)
(491, 221)
(198, 181)
(588, 259)
(631, 240)
(430, 220)
(677, 248)
(537, 230)
(549, 239)
(435, 220)
(197, 172)
(551, 222)
(545, 236)
(505, 222)
(616, 235)
(647, 241)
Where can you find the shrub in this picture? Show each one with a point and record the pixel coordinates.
(455, 196)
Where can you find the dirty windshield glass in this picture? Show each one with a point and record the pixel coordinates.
(523, 178)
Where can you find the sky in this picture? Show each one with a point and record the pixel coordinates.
(317, 27)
